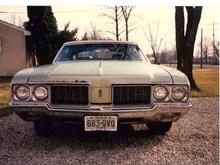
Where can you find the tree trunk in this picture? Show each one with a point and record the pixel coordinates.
(185, 43)
(206, 56)
(155, 57)
(126, 29)
(179, 19)
(116, 23)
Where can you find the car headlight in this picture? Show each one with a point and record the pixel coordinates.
(178, 93)
(40, 93)
(22, 92)
(160, 93)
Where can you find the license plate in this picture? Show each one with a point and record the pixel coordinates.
(100, 123)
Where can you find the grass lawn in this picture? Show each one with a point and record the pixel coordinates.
(4, 96)
(207, 80)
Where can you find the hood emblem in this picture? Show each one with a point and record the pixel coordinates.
(100, 93)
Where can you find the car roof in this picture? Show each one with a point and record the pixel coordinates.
(99, 42)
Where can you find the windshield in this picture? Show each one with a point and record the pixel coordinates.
(125, 52)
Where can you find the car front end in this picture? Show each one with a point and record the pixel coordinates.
(101, 94)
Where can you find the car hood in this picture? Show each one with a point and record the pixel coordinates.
(99, 73)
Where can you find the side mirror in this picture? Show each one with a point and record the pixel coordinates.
(152, 60)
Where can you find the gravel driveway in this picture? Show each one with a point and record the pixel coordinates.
(192, 140)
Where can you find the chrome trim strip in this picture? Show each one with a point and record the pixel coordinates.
(104, 108)
(162, 113)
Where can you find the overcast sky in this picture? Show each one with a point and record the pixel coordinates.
(163, 16)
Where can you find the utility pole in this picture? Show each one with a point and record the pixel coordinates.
(213, 37)
(213, 42)
(201, 62)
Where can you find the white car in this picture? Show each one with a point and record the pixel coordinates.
(100, 84)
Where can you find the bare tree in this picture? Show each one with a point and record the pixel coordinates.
(20, 22)
(216, 49)
(93, 34)
(13, 19)
(115, 18)
(153, 41)
(85, 36)
(185, 40)
(126, 11)
(17, 21)
(206, 49)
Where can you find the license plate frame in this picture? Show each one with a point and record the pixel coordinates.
(100, 123)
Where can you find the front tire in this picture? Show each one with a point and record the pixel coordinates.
(43, 128)
(159, 128)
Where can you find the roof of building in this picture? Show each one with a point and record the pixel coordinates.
(26, 32)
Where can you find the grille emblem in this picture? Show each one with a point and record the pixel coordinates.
(100, 93)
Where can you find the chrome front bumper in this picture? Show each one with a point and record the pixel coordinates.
(164, 112)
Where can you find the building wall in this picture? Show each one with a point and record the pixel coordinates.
(13, 50)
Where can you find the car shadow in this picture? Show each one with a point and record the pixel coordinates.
(74, 135)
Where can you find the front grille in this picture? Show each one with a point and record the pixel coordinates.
(69, 95)
(131, 94)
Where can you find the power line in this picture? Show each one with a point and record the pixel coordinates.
(61, 11)
(5, 12)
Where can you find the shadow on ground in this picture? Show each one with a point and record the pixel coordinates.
(5, 111)
(75, 136)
